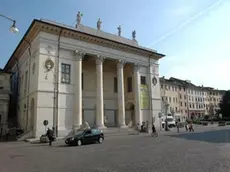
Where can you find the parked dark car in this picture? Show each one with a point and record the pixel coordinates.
(85, 137)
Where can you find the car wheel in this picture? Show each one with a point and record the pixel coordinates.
(100, 140)
(79, 143)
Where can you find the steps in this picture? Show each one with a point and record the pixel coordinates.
(109, 132)
(25, 136)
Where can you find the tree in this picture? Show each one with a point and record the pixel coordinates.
(225, 105)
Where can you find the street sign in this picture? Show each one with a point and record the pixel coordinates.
(45, 122)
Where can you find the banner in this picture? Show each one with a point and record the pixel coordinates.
(144, 95)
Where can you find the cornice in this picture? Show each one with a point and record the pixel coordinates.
(38, 25)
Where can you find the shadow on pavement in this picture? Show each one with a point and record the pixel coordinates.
(217, 136)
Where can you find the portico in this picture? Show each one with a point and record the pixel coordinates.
(118, 66)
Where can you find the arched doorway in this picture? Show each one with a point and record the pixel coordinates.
(130, 114)
(31, 117)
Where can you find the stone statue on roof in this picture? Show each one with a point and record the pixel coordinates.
(79, 17)
(134, 35)
(119, 30)
(99, 24)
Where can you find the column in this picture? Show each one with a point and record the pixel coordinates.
(138, 114)
(121, 96)
(77, 117)
(99, 96)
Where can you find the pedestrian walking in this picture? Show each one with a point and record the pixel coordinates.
(191, 127)
(186, 125)
(50, 135)
(178, 126)
(154, 132)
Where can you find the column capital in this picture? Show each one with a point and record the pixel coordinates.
(79, 54)
(120, 63)
(100, 59)
(136, 67)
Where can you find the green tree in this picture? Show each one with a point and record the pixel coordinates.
(225, 105)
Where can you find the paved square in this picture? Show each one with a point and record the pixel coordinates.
(202, 151)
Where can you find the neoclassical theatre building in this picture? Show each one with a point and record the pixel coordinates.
(68, 75)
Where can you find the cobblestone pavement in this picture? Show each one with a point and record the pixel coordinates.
(201, 151)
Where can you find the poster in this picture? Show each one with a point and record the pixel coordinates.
(144, 97)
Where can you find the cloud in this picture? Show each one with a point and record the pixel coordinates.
(185, 23)
(210, 68)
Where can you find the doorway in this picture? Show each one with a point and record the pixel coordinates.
(130, 119)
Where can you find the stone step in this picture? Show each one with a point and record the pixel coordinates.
(108, 132)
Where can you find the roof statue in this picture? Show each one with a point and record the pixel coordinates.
(134, 35)
(99, 24)
(79, 15)
(119, 30)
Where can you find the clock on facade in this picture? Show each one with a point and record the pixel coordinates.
(154, 81)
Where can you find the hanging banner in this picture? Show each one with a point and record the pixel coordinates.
(144, 95)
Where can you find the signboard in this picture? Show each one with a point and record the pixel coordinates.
(144, 96)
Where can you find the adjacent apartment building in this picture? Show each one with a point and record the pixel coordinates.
(185, 98)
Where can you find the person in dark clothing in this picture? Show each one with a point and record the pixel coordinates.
(49, 134)
(153, 129)
(154, 132)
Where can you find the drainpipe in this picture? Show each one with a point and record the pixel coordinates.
(56, 89)
(150, 97)
(28, 85)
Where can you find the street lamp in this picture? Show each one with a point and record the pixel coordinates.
(13, 28)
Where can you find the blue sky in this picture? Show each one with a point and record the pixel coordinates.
(193, 35)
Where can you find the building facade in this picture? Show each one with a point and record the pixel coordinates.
(73, 75)
(193, 101)
(214, 97)
(5, 93)
(170, 95)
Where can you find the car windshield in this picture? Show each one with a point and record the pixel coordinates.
(79, 132)
(169, 119)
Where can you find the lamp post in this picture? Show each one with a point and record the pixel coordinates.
(13, 28)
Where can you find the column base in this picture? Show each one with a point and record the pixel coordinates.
(150, 129)
(123, 126)
(101, 126)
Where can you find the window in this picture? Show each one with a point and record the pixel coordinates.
(26, 81)
(143, 80)
(181, 104)
(115, 84)
(130, 85)
(65, 73)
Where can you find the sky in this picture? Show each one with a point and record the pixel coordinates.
(193, 34)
